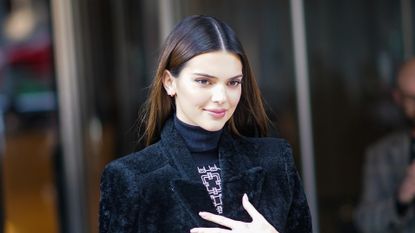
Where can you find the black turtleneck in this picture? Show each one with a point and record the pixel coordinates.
(203, 145)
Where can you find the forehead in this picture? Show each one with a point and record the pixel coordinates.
(218, 64)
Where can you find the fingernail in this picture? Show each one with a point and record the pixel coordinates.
(193, 231)
(202, 214)
(245, 196)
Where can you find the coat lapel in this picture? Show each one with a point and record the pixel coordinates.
(192, 196)
(188, 189)
(238, 175)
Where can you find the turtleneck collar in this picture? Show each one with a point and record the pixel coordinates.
(196, 138)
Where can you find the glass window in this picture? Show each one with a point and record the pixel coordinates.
(353, 48)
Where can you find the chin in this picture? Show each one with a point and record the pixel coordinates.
(213, 127)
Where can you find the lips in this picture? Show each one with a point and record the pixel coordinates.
(217, 113)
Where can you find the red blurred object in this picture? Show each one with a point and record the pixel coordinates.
(35, 57)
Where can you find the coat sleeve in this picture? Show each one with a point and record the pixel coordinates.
(119, 200)
(299, 218)
(376, 212)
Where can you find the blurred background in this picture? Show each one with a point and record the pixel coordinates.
(73, 75)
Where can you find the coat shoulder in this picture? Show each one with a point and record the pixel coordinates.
(391, 140)
(389, 145)
(266, 148)
(138, 163)
(270, 142)
(265, 144)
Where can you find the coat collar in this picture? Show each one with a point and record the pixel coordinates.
(239, 175)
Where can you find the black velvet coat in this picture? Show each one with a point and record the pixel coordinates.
(158, 188)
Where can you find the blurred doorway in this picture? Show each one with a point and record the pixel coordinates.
(28, 118)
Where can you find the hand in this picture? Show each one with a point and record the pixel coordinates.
(406, 191)
(258, 224)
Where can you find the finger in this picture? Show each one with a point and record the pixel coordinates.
(209, 230)
(221, 220)
(255, 215)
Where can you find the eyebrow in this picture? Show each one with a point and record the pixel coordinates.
(210, 76)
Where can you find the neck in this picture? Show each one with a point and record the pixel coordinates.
(196, 138)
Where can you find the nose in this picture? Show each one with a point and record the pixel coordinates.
(219, 94)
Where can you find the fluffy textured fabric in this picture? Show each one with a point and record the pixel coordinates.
(158, 189)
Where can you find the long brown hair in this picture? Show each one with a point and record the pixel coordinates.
(192, 36)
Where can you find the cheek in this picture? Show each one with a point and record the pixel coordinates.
(196, 97)
(235, 96)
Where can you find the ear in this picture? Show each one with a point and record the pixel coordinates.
(169, 83)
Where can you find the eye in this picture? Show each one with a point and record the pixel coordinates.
(234, 83)
(203, 82)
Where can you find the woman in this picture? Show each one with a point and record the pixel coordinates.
(207, 166)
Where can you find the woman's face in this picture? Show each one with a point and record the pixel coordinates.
(207, 90)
